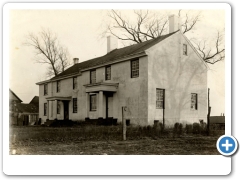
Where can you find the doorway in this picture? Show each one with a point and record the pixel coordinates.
(109, 105)
(66, 110)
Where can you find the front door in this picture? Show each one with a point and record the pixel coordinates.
(109, 105)
(66, 110)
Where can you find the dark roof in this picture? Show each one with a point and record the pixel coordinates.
(35, 101)
(217, 119)
(15, 95)
(28, 108)
(113, 55)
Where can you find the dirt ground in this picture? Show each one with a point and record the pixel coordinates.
(28, 141)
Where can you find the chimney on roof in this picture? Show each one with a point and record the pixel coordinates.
(112, 43)
(75, 60)
(174, 23)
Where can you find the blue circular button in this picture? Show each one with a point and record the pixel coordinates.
(227, 145)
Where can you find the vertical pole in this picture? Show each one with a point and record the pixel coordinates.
(164, 109)
(208, 115)
(123, 124)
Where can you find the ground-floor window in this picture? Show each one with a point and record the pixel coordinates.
(74, 105)
(58, 107)
(160, 98)
(93, 102)
(194, 101)
(45, 109)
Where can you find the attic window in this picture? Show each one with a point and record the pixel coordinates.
(184, 49)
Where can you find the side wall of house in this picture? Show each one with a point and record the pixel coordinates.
(180, 75)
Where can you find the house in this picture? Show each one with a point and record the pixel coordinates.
(13, 101)
(23, 114)
(163, 79)
(217, 122)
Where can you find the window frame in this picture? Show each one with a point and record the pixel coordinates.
(45, 89)
(75, 105)
(134, 70)
(91, 103)
(75, 84)
(58, 86)
(45, 109)
(91, 80)
(160, 101)
(185, 49)
(108, 76)
(194, 105)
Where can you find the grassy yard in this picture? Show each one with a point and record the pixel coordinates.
(87, 140)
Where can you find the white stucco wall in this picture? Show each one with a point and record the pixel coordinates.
(179, 75)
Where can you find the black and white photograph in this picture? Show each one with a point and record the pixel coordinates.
(116, 81)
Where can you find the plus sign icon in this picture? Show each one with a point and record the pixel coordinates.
(227, 145)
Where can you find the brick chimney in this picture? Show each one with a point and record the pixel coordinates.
(112, 43)
(174, 23)
(75, 60)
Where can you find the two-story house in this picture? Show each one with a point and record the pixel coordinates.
(162, 79)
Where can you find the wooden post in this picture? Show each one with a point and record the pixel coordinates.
(208, 115)
(124, 124)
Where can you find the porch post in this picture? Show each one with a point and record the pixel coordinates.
(100, 104)
(47, 109)
(56, 104)
(87, 105)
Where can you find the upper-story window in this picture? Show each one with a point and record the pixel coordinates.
(45, 89)
(184, 49)
(92, 76)
(108, 73)
(194, 101)
(58, 86)
(134, 68)
(160, 98)
(75, 83)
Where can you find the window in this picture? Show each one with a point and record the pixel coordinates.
(92, 76)
(45, 89)
(184, 49)
(160, 93)
(58, 107)
(194, 101)
(75, 83)
(75, 105)
(45, 109)
(93, 102)
(108, 73)
(58, 86)
(135, 68)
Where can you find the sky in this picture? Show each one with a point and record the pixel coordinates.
(80, 31)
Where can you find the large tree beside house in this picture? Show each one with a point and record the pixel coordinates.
(162, 79)
(146, 25)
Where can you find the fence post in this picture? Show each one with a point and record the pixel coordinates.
(124, 123)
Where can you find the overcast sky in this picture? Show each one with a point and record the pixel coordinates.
(79, 31)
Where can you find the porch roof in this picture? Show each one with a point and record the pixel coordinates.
(101, 86)
(60, 98)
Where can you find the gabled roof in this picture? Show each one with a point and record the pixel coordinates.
(113, 55)
(27, 108)
(35, 101)
(14, 95)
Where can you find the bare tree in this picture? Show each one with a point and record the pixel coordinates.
(49, 51)
(147, 25)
